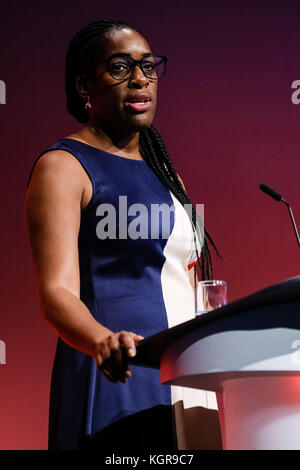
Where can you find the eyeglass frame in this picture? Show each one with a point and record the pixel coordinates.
(134, 62)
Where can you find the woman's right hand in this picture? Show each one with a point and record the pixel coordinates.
(112, 353)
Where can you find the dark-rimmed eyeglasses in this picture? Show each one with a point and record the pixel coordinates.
(122, 66)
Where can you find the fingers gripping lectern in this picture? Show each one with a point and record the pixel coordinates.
(248, 352)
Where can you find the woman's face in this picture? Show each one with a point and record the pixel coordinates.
(119, 106)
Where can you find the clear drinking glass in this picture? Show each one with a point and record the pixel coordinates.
(210, 295)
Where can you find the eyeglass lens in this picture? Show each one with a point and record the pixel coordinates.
(122, 67)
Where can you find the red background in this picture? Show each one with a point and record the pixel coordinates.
(226, 115)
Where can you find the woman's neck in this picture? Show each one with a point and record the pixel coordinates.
(119, 145)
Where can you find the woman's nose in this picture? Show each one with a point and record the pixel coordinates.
(138, 78)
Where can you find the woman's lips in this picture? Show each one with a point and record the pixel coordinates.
(138, 102)
(138, 106)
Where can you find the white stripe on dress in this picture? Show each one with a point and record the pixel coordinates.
(178, 295)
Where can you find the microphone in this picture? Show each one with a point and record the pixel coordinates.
(271, 192)
(266, 189)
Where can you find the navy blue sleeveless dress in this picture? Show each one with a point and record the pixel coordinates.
(133, 276)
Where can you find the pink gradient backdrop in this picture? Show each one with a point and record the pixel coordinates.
(226, 114)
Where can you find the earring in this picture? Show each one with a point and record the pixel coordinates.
(88, 104)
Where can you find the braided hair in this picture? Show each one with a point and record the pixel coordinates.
(156, 155)
(84, 50)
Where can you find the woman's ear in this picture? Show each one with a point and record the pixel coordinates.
(82, 86)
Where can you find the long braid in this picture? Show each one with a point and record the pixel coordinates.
(157, 157)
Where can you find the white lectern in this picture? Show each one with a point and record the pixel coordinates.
(248, 352)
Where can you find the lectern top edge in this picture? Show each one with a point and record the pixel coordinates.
(151, 348)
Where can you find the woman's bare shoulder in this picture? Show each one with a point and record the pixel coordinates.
(58, 165)
(58, 159)
(56, 179)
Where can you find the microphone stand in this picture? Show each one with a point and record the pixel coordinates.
(293, 220)
(266, 189)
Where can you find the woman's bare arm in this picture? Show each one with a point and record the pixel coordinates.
(53, 212)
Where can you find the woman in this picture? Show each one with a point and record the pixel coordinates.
(102, 294)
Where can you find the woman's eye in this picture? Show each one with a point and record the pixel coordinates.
(119, 66)
(148, 66)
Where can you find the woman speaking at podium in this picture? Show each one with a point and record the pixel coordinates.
(102, 292)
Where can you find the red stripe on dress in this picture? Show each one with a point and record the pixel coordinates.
(192, 264)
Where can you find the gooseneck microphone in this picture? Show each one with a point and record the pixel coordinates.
(266, 189)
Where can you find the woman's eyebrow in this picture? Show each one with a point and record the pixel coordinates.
(124, 54)
(118, 54)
